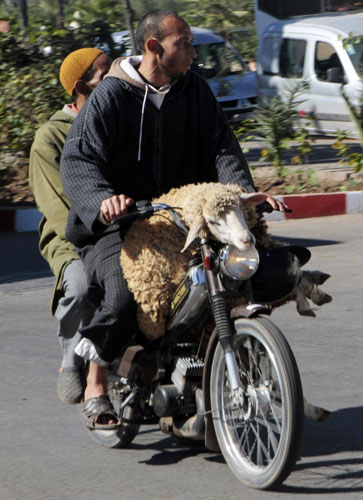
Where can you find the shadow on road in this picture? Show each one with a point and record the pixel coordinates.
(342, 433)
(307, 242)
(171, 450)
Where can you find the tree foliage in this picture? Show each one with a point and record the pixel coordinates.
(275, 121)
(30, 58)
(30, 91)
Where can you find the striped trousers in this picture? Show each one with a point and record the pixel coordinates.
(114, 321)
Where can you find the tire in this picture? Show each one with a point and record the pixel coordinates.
(121, 437)
(260, 438)
(130, 422)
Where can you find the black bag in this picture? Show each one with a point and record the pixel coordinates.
(278, 272)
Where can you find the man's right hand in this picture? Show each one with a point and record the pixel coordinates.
(115, 207)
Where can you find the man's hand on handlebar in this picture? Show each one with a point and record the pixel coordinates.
(115, 207)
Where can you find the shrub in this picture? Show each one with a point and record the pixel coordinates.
(274, 125)
(30, 91)
(344, 150)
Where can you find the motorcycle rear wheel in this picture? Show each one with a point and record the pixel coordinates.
(123, 435)
(259, 434)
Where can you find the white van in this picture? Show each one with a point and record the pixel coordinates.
(315, 49)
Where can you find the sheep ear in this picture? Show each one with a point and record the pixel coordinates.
(197, 225)
(252, 199)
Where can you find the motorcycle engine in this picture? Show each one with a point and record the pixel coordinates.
(179, 397)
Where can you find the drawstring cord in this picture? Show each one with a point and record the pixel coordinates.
(142, 122)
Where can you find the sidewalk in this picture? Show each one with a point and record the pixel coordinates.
(322, 159)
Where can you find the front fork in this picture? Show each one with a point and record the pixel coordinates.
(221, 317)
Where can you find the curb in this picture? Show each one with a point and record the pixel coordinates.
(319, 205)
(19, 219)
(303, 206)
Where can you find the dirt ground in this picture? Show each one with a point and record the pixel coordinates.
(14, 186)
(308, 180)
(15, 189)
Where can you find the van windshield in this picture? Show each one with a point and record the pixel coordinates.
(217, 59)
(355, 52)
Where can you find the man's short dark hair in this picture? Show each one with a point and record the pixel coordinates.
(151, 26)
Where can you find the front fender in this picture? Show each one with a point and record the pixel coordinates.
(249, 311)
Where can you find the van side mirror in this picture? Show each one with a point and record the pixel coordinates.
(335, 75)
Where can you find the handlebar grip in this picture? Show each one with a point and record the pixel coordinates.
(264, 207)
(141, 204)
(267, 208)
(138, 210)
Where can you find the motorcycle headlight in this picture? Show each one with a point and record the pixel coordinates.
(238, 264)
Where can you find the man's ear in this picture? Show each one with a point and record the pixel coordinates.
(82, 87)
(153, 45)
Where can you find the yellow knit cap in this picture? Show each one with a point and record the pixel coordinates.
(75, 65)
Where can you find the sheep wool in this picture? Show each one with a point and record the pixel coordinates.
(151, 257)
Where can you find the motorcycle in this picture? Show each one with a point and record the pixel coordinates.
(222, 373)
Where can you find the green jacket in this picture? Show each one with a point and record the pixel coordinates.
(44, 179)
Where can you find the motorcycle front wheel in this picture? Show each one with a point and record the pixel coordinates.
(259, 429)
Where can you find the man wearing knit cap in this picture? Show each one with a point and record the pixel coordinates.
(80, 73)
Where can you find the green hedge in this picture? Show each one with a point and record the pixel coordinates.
(30, 91)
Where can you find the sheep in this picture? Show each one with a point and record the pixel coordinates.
(155, 253)
(155, 262)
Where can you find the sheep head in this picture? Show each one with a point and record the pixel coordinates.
(223, 215)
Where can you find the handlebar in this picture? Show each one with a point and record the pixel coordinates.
(139, 210)
(143, 209)
(266, 207)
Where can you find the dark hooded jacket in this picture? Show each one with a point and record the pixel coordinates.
(122, 143)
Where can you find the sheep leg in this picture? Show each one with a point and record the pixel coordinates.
(315, 413)
(309, 285)
(318, 277)
(319, 297)
(302, 304)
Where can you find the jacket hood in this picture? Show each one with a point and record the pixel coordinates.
(66, 115)
(117, 71)
(133, 62)
(125, 68)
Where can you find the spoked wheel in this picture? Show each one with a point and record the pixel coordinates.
(259, 429)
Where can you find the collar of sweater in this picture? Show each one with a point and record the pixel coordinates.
(126, 69)
(69, 110)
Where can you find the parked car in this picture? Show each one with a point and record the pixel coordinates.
(321, 51)
(228, 75)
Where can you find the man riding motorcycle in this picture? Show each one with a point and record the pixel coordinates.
(151, 125)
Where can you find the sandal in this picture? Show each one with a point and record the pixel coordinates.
(95, 408)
